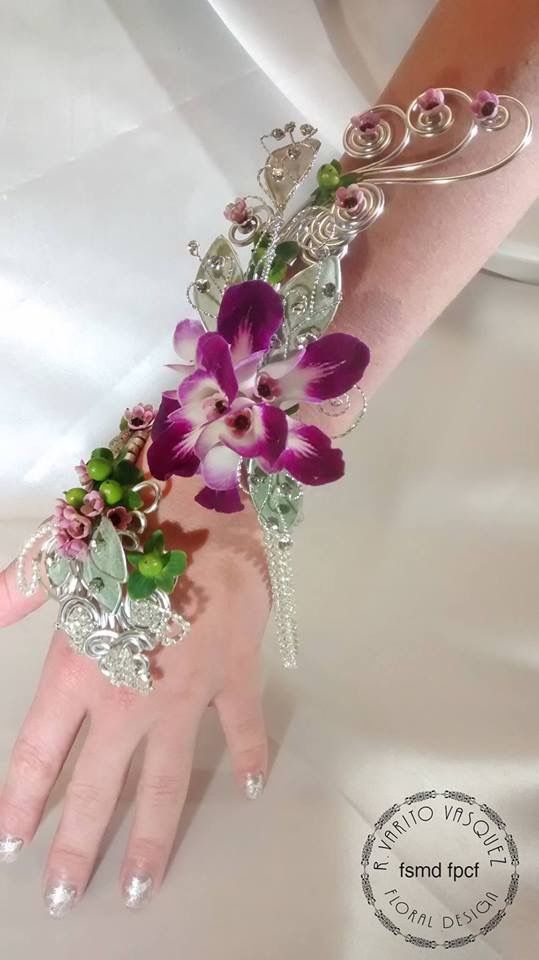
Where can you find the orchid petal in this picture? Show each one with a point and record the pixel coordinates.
(220, 467)
(172, 452)
(186, 337)
(326, 368)
(213, 355)
(223, 501)
(309, 456)
(249, 429)
(169, 404)
(249, 315)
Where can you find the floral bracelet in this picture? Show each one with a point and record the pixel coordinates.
(257, 350)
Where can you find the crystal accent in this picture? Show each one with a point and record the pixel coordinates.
(127, 669)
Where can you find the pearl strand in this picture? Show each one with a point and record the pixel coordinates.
(278, 547)
(28, 587)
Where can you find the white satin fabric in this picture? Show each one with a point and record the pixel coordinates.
(126, 126)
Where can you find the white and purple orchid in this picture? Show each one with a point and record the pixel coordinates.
(231, 401)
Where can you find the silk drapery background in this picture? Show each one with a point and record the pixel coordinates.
(126, 126)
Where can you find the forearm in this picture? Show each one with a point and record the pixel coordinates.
(401, 274)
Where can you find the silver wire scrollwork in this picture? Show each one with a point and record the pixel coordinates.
(95, 612)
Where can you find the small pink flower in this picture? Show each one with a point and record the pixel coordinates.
(367, 123)
(485, 105)
(64, 514)
(93, 504)
(237, 211)
(73, 549)
(431, 100)
(352, 198)
(141, 417)
(119, 517)
(84, 477)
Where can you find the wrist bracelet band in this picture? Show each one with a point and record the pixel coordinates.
(258, 349)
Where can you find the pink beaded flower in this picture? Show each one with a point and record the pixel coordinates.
(367, 123)
(119, 517)
(237, 211)
(351, 198)
(72, 530)
(84, 477)
(485, 105)
(141, 417)
(431, 100)
(93, 504)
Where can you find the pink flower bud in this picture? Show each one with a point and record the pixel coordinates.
(431, 100)
(485, 105)
(237, 211)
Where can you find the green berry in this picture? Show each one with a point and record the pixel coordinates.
(99, 468)
(150, 565)
(111, 491)
(75, 496)
(328, 176)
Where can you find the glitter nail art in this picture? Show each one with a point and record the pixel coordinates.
(60, 898)
(254, 785)
(10, 847)
(138, 891)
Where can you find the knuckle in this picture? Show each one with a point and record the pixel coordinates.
(76, 862)
(147, 850)
(162, 788)
(32, 761)
(84, 797)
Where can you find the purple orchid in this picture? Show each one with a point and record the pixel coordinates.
(231, 404)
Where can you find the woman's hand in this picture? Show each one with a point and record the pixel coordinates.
(224, 593)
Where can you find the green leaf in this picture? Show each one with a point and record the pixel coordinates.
(166, 581)
(177, 563)
(323, 195)
(127, 473)
(287, 250)
(133, 500)
(134, 558)
(278, 271)
(139, 587)
(337, 165)
(348, 178)
(155, 543)
(102, 453)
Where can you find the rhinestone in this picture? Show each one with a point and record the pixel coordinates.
(122, 670)
(192, 246)
(202, 286)
(277, 172)
(277, 133)
(294, 152)
(78, 624)
(216, 264)
(328, 289)
(306, 129)
(290, 126)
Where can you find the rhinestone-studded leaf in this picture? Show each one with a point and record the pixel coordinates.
(107, 552)
(277, 498)
(57, 569)
(219, 269)
(311, 299)
(105, 589)
(286, 167)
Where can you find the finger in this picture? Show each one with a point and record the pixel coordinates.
(90, 800)
(160, 799)
(44, 741)
(14, 605)
(242, 720)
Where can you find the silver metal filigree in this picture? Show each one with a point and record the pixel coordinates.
(95, 612)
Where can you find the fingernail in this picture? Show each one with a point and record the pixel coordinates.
(10, 847)
(60, 898)
(254, 785)
(138, 891)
